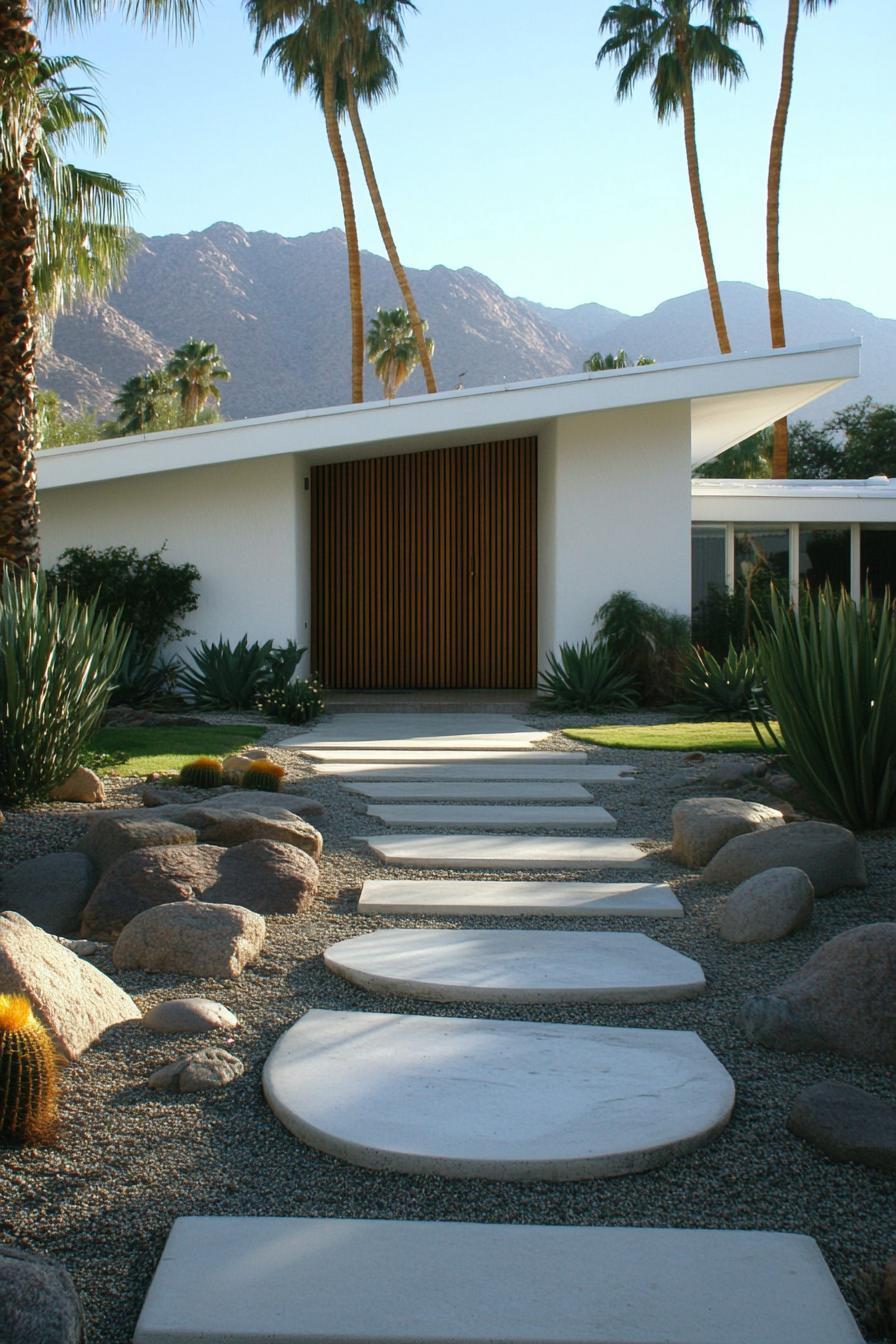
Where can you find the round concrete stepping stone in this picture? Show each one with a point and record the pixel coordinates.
(443, 896)
(470, 791)
(504, 851)
(500, 1100)
(388, 1281)
(489, 818)
(516, 966)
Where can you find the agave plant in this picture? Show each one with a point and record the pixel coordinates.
(225, 677)
(585, 676)
(729, 689)
(829, 667)
(58, 663)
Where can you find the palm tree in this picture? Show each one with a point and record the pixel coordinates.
(22, 109)
(659, 39)
(372, 78)
(772, 210)
(392, 348)
(194, 370)
(316, 54)
(143, 401)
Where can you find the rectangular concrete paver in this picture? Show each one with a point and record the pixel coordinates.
(445, 771)
(469, 791)
(504, 851)
(386, 755)
(494, 818)
(570, 900)
(376, 1281)
(417, 731)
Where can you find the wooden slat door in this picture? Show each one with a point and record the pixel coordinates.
(423, 568)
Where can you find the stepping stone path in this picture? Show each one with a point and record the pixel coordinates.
(583, 900)
(512, 966)
(470, 791)
(500, 1100)
(485, 818)
(377, 1281)
(504, 851)
(478, 770)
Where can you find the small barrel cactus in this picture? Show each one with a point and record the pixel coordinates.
(204, 773)
(29, 1082)
(264, 775)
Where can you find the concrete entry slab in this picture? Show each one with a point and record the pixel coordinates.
(516, 966)
(504, 851)
(355, 755)
(450, 732)
(284, 1281)
(569, 900)
(494, 818)
(501, 1100)
(475, 771)
(469, 791)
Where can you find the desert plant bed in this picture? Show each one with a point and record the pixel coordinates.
(129, 1160)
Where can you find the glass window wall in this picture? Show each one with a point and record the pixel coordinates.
(824, 556)
(879, 559)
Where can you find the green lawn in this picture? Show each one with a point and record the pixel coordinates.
(712, 736)
(144, 751)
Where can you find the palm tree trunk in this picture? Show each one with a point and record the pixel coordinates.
(351, 234)
(712, 284)
(19, 543)
(388, 240)
(772, 217)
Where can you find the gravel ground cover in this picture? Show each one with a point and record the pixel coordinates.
(129, 1161)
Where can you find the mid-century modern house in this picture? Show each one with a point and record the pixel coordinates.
(452, 540)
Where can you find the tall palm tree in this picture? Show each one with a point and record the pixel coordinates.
(772, 210)
(658, 38)
(143, 400)
(195, 369)
(373, 77)
(21, 112)
(315, 54)
(392, 348)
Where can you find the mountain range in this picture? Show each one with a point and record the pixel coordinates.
(277, 309)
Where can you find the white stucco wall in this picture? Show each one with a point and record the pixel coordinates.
(615, 512)
(244, 525)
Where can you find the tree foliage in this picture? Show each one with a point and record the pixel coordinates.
(392, 348)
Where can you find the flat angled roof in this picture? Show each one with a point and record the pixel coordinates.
(731, 397)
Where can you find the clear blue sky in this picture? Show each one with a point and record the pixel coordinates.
(505, 150)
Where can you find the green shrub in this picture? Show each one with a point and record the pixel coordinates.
(296, 702)
(728, 689)
(58, 661)
(650, 643)
(225, 676)
(829, 668)
(152, 595)
(143, 676)
(585, 676)
(282, 665)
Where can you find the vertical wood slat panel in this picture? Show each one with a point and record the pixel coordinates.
(423, 568)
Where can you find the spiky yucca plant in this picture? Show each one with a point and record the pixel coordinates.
(829, 667)
(728, 689)
(29, 1083)
(58, 662)
(263, 775)
(206, 772)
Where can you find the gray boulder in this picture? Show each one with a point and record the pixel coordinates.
(189, 1015)
(846, 1123)
(38, 1301)
(768, 906)
(227, 829)
(191, 938)
(843, 999)
(262, 875)
(73, 999)
(50, 891)
(828, 855)
(701, 826)
(199, 1072)
(108, 838)
(164, 800)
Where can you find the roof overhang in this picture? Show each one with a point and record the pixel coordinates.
(731, 397)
